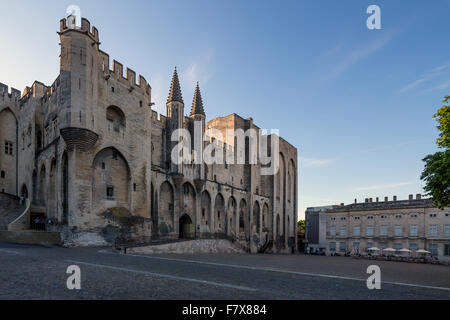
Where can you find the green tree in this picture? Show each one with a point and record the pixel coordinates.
(436, 174)
(301, 228)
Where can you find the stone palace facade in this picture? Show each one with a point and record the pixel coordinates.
(94, 160)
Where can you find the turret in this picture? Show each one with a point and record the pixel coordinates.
(78, 71)
(175, 116)
(197, 110)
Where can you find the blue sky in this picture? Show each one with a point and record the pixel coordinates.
(357, 103)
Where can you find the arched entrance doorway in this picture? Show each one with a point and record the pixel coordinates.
(187, 228)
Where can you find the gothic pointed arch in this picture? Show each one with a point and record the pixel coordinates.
(116, 119)
(166, 209)
(189, 200)
(220, 215)
(205, 218)
(233, 219)
(111, 179)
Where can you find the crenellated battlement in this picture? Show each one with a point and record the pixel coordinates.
(129, 77)
(6, 96)
(85, 27)
(158, 118)
(50, 91)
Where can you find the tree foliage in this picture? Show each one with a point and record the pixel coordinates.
(437, 177)
(301, 228)
(443, 118)
(436, 174)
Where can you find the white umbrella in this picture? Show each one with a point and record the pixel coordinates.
(423, 251)
(389, 250)
(373, 249)
(404, 250)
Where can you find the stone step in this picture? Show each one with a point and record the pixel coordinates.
(10, 209)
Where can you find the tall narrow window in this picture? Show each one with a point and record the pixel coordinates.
(110, 192)
(9, 148)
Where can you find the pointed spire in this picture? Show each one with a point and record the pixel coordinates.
(197, 103)
(175, 89)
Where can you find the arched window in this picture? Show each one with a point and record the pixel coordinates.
(116, 119)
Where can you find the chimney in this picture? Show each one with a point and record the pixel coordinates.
(418, 196)
(370, 200)
(395, 198)
(356, 201)
(411, 197)
(367, 200)
(386, 199)
(378, 199)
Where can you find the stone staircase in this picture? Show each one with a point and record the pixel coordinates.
(10, 209)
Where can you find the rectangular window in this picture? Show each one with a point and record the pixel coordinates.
(398, 246)
(383, 245)
(383, 231)
(447, 230)
(357, 231)
(413, 246)
(447, 250)
(398, 231)
(9, 148)
(332, 231)
(356, 245)
(369, 245)
(433, 230)
(433, 248)
(342, 247)
(369, 231)
(110, 192)
(413, 231)
(332, 246)
(343, 231)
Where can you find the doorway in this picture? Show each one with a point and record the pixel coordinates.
(186, 227)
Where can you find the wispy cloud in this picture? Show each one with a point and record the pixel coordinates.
(428, 77)
(358, 53)
(385, 186)
(441, 86)
(315, 162)
(413, 84)
(198, 71)
(442, 67)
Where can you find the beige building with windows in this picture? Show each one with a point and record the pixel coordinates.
(94, 160)
(413, 224)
